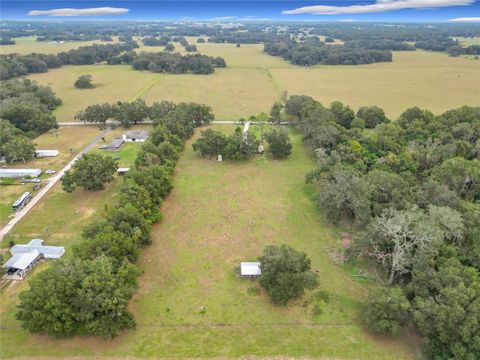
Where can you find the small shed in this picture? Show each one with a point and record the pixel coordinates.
(122, 170)
(135, 136)
(46, 153)
(115, 145)
(250, 269)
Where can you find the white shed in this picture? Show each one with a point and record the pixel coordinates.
(46, 153)
(250, 269)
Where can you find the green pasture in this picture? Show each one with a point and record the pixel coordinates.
(218, 215)
(29, 44)
(253, 80)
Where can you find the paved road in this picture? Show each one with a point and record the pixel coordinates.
(77, 123)
(50, 183)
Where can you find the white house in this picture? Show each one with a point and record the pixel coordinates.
(46, 153)
(48, 252)
(25, 257)
(135, 136)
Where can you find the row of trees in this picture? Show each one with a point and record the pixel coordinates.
(314, 52)
(25, 112)
(240, 145)
(14, 65)
(182, 117)
(177, 63)
(412, 188)
(166, 41)
(88, 293)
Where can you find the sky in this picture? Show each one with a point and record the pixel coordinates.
(253, 10)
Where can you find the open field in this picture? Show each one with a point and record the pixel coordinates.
(253, 80)
(67, 140)
(429, 80)
(467, 41)
(112, 83)
(218, 215)
(27, 45)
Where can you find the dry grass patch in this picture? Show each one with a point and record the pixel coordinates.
(112, 83)
(231, 92)
(29, 44)
(433, 81)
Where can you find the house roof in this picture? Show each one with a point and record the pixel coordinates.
(37, 244)
(114, 144)
(23, 260)
(250, 268)
(136, 134)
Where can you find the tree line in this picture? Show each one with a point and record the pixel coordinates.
(87, 293)
(25, 113)
(137, 112)
(177, 63)
(241, 146)
(13, 65)
(412, 190)
(314, 52)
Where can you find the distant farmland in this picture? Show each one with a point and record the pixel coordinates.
(253, 80)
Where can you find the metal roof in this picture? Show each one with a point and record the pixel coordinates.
(22, 261)
(136, 134)
(19, 172)
(114, 144)
(250, 268)
(49, 252)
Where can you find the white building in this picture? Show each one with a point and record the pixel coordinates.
(48, 252)
(250, 269)
(46, 153)
(25, 257)
(135, 136)
(19, 173)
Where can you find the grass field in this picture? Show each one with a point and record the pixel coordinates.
(27, 45)
(253, 80)
(429, 80)
(218, 215)
(67, 140)
(467, 41)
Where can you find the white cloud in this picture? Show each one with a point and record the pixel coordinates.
(378, 6)
(465, 19)
(80, 12)
(346, 20)
(224, 18)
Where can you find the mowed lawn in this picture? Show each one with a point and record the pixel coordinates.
(254, 80)
(218, 215)
(29, 44)
(68, 140)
